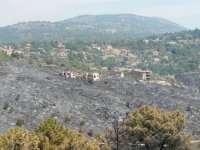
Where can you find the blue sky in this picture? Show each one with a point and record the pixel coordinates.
(184, 12)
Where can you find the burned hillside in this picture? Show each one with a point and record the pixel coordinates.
(35, 93)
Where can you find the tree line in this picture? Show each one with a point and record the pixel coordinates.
(146, 128)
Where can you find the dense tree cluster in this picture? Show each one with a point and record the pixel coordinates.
(178, 53)
(155, 129)
(182, 50)
(147, 128)
(49, 135)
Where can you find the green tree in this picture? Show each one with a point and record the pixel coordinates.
(22, 139)
(61, 138)
(49, 135)
(149, 128)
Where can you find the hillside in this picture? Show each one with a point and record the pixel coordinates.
(36, 93)
(166, 54)
(88, 28)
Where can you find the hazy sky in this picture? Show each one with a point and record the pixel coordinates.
(184, 12)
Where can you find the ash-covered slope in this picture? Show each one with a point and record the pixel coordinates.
(191, 79)
(37, 93)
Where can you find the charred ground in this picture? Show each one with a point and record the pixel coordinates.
(35, 93)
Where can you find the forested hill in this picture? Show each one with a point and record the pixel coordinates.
(171, 53)
(88, 28)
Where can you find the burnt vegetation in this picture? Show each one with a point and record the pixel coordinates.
(29, 98)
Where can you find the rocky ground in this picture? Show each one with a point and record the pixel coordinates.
(36, 93)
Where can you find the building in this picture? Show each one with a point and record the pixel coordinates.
(62, 54)
(155, 53)
(93, 76)
(28, 46)
(146, 41)
(109, 47)
(96, 46)
(141, 74)
(80, 75)
(62, 73)
(8, 50)
(68, 74)
(61, 46)
(85, 75)
(71, 75)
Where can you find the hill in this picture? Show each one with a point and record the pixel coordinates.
(166, 54)
(88, 28)
(171, 53)
(36, 93)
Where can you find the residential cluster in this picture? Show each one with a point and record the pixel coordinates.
(103, 52)
(107, 51)
(111, 73)
(80, 75)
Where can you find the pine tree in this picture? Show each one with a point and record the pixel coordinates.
(149, 128)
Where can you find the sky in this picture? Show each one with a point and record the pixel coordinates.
(183, 12)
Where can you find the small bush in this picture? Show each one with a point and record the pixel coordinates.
(67, 119)
(82, 123)
(20, 122)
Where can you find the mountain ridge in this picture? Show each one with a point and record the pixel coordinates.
(88, 28)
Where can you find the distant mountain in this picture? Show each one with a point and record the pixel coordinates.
(89, 28)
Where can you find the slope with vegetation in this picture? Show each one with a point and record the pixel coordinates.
(167, 54)
(88, 28)
(172, 53)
